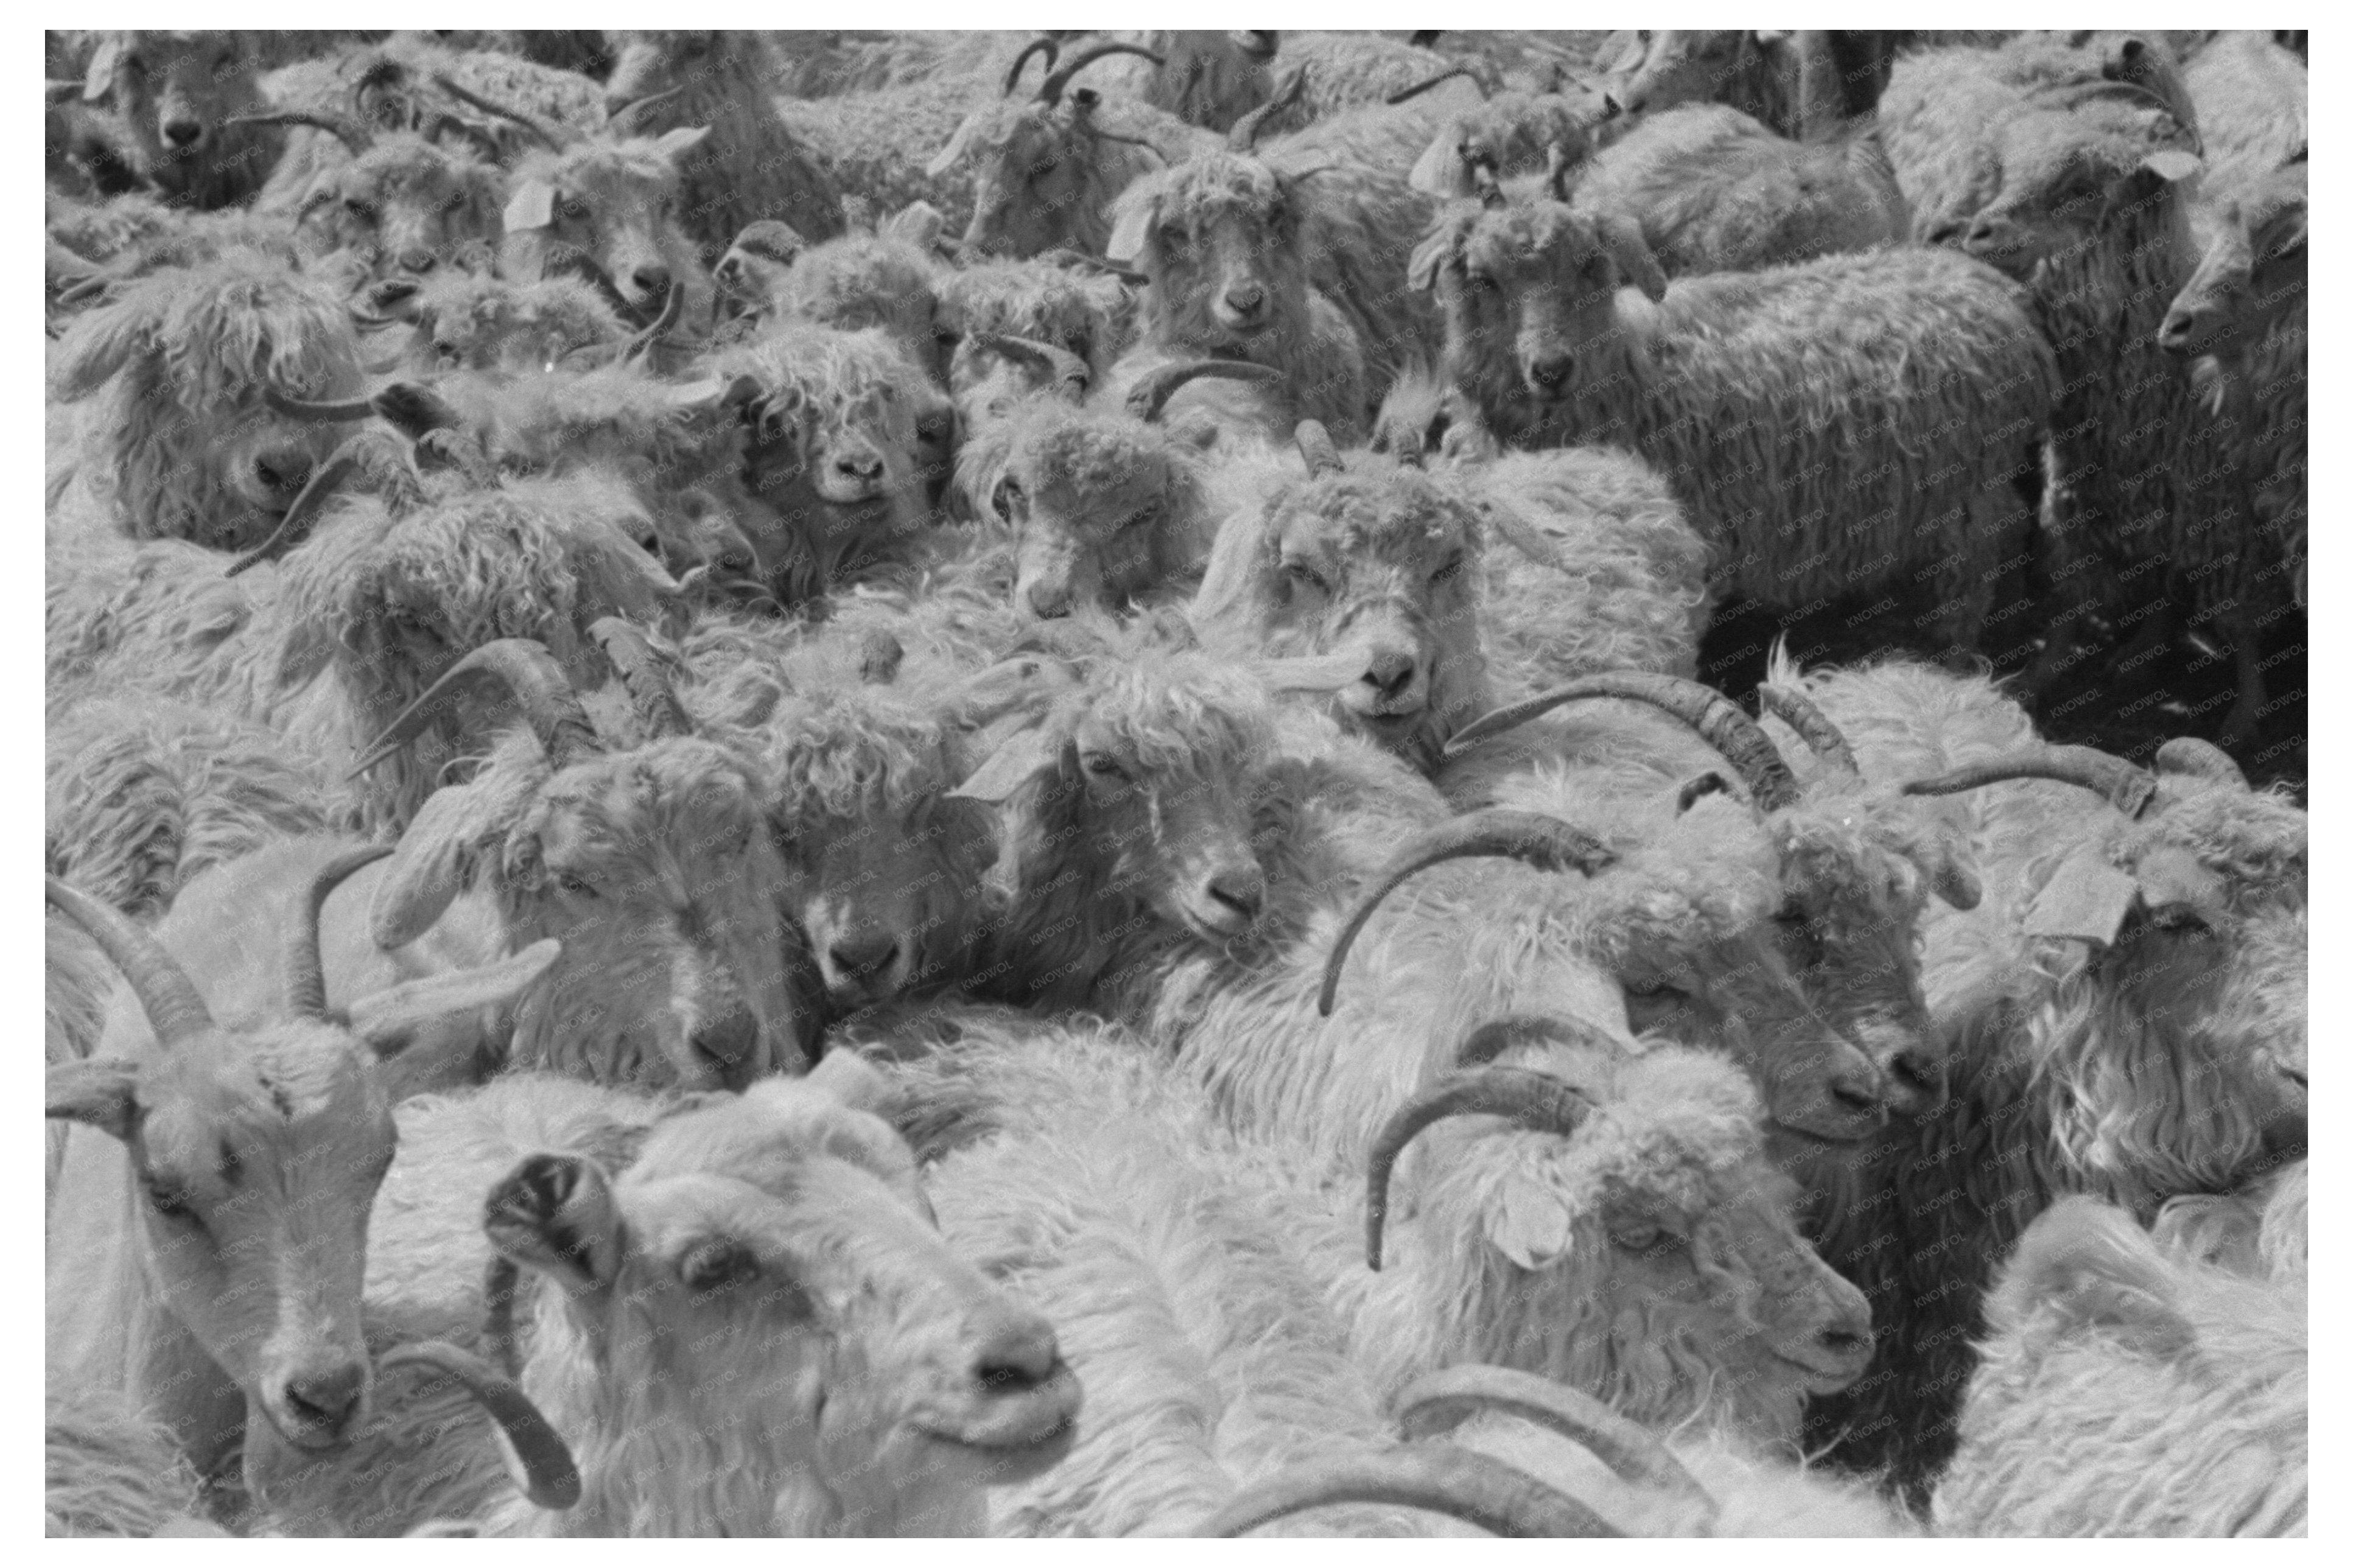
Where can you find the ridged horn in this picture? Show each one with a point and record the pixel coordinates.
(1314, 443)
(1404, 93)
(1437, 1402)
(2127, 788)
(1244, 134)
(618, 115)
(557, 138)
(175, 1010)
(1047, 46)
(1059, 76)
(1535, 1101)
(1149, 395)
(2188, 756)
(306, 971)
(528, 670)
(1496, 1036)
(310, 413)
(295, 526)
(549, 1477)
(1795, 708)
(1070, 372)
(658, 707)
(501, 1281)
(354, 136)
(1716, 717)
(1543, 842)
(1458, 1482)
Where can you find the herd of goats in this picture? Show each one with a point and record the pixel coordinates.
(951, 783)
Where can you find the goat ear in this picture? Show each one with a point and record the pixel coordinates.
(949, 156)
(1636, 265)
(1528, 1222)
(555, 1214)
(389, 1019)
(2085, 899)
(1127, 236)
(2085, 1266)
(1020, 759)
(2172, 165)
(101, 343)
(676, 144)
(101, 1093)
(532, 206)
(850, 1078)
(427, 869)
(99, 79)
(1421, 270)
(1433, 174)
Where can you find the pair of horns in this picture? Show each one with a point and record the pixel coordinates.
(1058, 76)
(175, 1010)
(531, 674)
(1151, 394)
(556, 137)
(1245, 132)
(1068, 372)
(1718, 721)
(1467, 1485)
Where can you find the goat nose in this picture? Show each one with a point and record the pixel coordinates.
(1049, 600)
(1549, 369)
(653, 280)
(327, 1397)
(1389, 671)
(1846, 1339)
(730, 1043)
(864, 954)
(282, 470)
(417, 260)
(1920, 1072)
(182, 133)
(1013, 1353)
(1242, 890)
(1244, 298)
(866, 468)
(1946, 232)
(1855, 1091)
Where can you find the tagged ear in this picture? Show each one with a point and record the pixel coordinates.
(1436, 171)
(1528, 1222)
(427, 870)
(99, 79)
(1637, 266)
(389, 1019)
(849, 1079)
(555, 1214)
(676, 144)
(949, 156)
(1127, 236)
(2172, 165)
(1421, 270)
(1020, 759)
(101, 1093)
(532, 206)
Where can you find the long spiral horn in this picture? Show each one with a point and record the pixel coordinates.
(528, 670)
(1047, 46)
(1149, 395)
(1717, 720)
(1244, 134)
(1795, 708)
(1535, 1101)
(1404, 93)
(1070, 375)
(2127, 788)
(659, 711)
(174, 1008)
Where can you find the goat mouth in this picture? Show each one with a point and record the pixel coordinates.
(1216, 924)
(1017, 1436)
(1829, 1371)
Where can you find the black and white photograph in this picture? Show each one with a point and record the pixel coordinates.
(1059, 782)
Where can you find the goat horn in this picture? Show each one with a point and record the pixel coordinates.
(659, 709)
(1418, 89)
(1047, 46)
(549, 1477)
(501, 1281)
(1314, 443)
(1717, 719)
(1067, 369)
(413, 409)
(1437, 1403)
(1496, 1036)
(1558, 167)
(1258, 43)
(1460, 1483)
(354, 136)
(2127, 788)
(1059, 76)
(529, 671)
(1535, 1101)
(316, 413)
(306, 972)
(295, 526)
(1149, 395)
(484, 143)
(174, 1008)
(557, 138)
(615, 115)
(97, 283)
(659, 327)
(1795, 708)
(1543, 842)
(1244, 135)
(1126, 274)
(2188, 756)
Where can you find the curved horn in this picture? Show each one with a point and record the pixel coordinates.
(1558, 167)
(659, 327)
(1543, 842)
(549, 1477)
(2127, 788)
(316, 413)
(501, 1281)
(2188, 756)
(1047, 46)
(1535, 1101)
(1496, 1036)
(659, 709)
(557, 138)
(1149, 395)
(1069, 370)
(615, 115)
(1059, 76)
(1314, 443)
(97, 283)
(1460, 1482)
(1418, 89)
(528, 670)
(1244, 135)
(295, 526)
(1126, 274)
(1718, 721)
(354, 136)
(306, 972)
(1437, 1403)
(1795, 708)
(174, 1008)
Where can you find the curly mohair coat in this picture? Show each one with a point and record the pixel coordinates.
(877, 146)
(2253, 111)
(181, 445)
(1847, 426)
(469, 322)
(2125, 1391)
(401, 208)
(862, 281)
(110, 1472)
(2135, 1072)
(749, 167)
(1045, 174)
(613, 203)
(182, 80)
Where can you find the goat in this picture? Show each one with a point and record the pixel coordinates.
(176, 96)
(402, 203)
(1791, 82)
(859, 281)
(112, 1473)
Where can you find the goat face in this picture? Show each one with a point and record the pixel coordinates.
(174, 92)
(768, 1280)
(1089, 499)
(2254, 274)
(1181, 836)
(1221, 245)
(655, 869)
(833, 447)
(2068, 179)
(1030, 185)
(611, 210)
(1686, 67)
(1531, 286)
(406, 206)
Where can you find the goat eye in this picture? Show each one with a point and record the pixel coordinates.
(575, 885)
(359, 209)
(1445, 573)
(1299, 572)
(1638, 1237)
(2179, 919)
(1104, 765)
(709, 1264)
(169, 1200)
